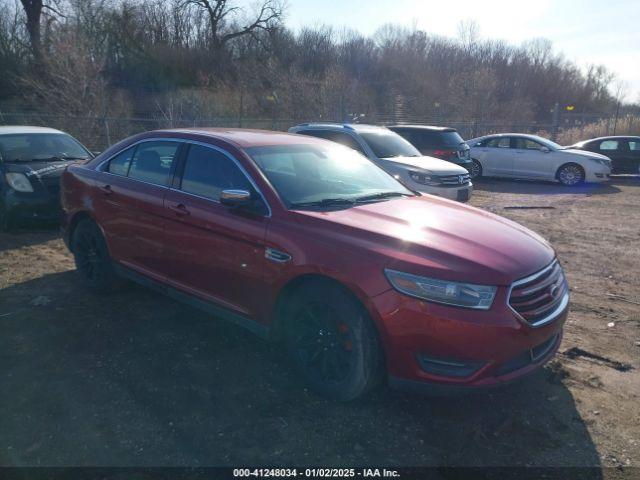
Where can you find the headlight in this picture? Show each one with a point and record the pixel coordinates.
(466, 295)
(19, 182)
(423, 178)
(601, 161)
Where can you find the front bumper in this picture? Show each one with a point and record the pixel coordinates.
(460, 193)
(26, 208)
(597, 175)
(438, 345)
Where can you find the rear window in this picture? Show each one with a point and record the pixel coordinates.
(436, 139)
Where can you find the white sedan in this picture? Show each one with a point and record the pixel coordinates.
(516, 155)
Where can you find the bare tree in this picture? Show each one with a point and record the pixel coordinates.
(34, 10)
(224, 19)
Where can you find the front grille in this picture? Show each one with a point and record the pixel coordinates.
(454, 180)
(539, 298)
(525, 359)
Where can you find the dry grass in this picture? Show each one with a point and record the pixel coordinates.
(627, 125)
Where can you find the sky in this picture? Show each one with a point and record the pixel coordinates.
(586, 32)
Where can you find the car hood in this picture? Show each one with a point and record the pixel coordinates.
(38, 169)
(585, 153)
(431, 164)
(428, 235)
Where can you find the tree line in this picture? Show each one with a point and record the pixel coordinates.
(190, 59)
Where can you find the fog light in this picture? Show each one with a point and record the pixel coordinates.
(447, 367)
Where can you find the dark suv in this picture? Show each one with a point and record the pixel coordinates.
(440, 142)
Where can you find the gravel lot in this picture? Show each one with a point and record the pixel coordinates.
(136, 379)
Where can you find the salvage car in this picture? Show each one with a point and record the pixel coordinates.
(397, 157)
(517, 155)
(624, 151)
(32, 160)
(307, 242)
(439, 142)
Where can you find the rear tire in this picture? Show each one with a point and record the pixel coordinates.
(570, 175)
(476, 169)
(91, 256)
(332, 341)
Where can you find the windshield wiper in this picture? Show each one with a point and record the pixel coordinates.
(56, 158)
(397, 155)
(326, 202)
(381, 196)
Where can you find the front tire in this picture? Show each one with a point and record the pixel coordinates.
(570, 175)
(332, 341)
(91, 256)
(476, 169)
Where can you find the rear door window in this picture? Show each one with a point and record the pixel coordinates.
(207, 172)
(152, 162)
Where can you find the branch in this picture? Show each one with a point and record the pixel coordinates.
(268, 12)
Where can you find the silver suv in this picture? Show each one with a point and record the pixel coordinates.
(397, 157)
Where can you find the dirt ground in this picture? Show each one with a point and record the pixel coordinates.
(137, 379)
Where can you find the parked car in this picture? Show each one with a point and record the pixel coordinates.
(440, 142)
(31, 162)
(396, 156)
(516, 155)
(623, 151)
(307, 242)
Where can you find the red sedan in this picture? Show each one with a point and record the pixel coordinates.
(307, 242)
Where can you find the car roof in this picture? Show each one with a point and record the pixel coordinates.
(354, 127)
(244, 137)
(430, 128)
(528, 135)
(610, 137)
(19, 129)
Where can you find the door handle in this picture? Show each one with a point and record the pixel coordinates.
(106, 189)
(179, 209)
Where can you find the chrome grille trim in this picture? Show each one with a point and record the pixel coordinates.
(454, 179)
(549, 305)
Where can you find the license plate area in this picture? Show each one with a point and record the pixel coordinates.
(462, 195)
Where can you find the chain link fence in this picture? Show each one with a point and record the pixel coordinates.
(97, 133)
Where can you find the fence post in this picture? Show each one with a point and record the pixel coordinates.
(107, 132)
(555, 121)
(615, 121)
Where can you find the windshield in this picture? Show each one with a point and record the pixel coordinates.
(388, 144)
(40, 146)
(315, 173)
(547, 143)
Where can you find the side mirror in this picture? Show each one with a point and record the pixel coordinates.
(544, 149)
(235, 198)
(96, 153)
